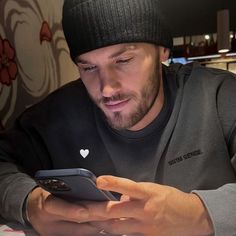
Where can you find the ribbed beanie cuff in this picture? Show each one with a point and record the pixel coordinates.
(92, 24)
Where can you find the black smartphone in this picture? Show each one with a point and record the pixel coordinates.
(72, 184)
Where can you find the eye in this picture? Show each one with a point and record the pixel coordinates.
(124, 61)
(87, 68)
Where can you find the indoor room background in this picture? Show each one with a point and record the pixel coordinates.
(34, 57)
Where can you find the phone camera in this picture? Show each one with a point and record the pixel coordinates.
(54, 184)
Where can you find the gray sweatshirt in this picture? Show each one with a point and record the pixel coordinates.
(194, 150)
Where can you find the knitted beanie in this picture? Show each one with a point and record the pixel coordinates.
(92, 24)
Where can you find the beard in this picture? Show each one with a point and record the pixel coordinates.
(143, 100)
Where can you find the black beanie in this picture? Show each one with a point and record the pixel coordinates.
(92, 24)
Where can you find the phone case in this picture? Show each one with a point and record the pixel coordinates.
(72, 184)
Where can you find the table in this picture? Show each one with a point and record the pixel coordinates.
(15, 229)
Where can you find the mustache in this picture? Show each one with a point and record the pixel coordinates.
(114, 98)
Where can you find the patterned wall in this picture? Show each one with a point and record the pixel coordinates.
(34, 57)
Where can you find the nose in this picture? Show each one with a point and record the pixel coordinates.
(110, 83)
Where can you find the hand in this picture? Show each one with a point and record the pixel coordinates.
(51, 216)
(150, 209)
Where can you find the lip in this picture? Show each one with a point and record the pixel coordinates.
(115, 106)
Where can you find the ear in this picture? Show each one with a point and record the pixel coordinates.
(164, 54)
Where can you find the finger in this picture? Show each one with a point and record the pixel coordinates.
(114, 210)
(124, 198)
(66, 210)
(123, 186)
(122, 227)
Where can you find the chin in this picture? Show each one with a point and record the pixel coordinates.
(119, 122)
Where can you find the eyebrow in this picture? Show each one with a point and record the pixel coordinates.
(124, 49)
(77, 60)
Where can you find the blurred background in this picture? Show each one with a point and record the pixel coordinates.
(196, 17)
(203, 30)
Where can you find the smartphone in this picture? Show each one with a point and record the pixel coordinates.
(75, 184)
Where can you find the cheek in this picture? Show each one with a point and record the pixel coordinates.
(92, 86)
(142, 72)
(137, 80)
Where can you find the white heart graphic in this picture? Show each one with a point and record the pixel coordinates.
(84, 152)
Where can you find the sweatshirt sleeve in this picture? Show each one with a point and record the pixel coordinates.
(14, 188)
(221, 205)
(221, 202)
(19, 159)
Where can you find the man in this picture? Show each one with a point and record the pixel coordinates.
(166, 133)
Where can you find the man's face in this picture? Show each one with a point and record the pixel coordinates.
(123, 81)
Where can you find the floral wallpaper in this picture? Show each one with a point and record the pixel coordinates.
(34, 57)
